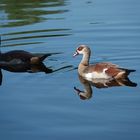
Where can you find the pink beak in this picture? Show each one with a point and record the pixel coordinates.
(75, 54)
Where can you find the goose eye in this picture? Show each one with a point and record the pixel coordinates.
(80, 48)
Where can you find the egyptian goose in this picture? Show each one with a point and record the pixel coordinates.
(100, 70)
(21, 56)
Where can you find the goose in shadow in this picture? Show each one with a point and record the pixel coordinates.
(21, 57)
(21, 61)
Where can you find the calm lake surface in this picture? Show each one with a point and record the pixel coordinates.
(40, 106)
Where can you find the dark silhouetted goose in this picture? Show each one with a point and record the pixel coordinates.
(20, 56)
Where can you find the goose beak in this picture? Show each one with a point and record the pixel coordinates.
(75, 54)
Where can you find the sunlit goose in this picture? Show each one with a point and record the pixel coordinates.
(100, 70)
(20, 56)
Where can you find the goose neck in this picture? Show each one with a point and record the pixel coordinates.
(85, 59)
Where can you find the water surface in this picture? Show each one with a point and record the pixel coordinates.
(43, 105)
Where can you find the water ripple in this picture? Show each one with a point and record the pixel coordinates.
(31, 37)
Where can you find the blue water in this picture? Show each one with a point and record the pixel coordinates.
(45, 106)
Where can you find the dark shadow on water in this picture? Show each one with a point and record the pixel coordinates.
(100, 83)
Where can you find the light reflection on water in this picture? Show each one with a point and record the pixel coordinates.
(20, 13)
(45, 106)
(25, 37)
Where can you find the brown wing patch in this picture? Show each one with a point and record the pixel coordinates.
(112, 71)
(99, 67)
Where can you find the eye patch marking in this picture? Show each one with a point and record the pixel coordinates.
(80, 48)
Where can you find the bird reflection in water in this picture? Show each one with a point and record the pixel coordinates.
(25, 67)
(0, 77)
(100, 83)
